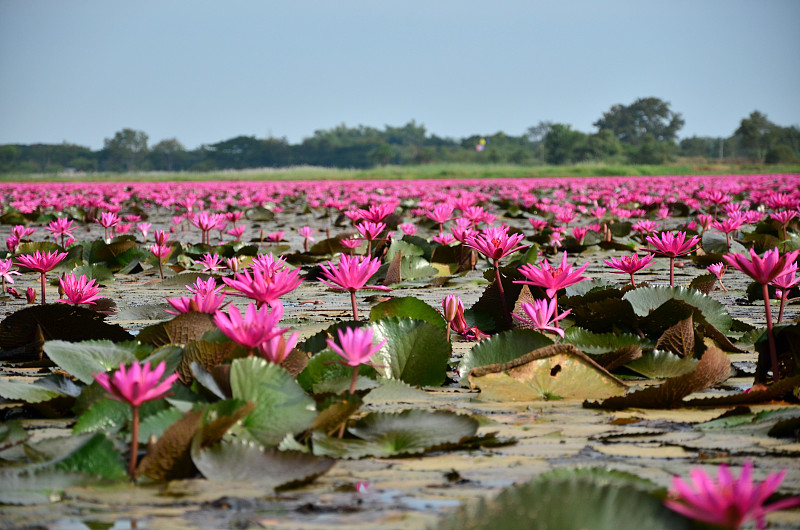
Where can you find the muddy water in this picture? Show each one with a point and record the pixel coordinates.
(415, 492)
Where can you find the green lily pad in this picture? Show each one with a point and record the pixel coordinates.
(645, 299)
(598, 343)
(407, 307)
(281, 405)
(660, 364)
(326, 367)
(501, 348)
(82, 359)
(415, 351)
(318, 342)
(43, 389)
(404, 248)
(382, 435)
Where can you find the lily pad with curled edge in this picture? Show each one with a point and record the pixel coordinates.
(713, 368)
(782, 390)
(645, 299)
(42, 389)
(500, 348)
(659, 364)
(237, 460)
(383, 434)
(556, 371)
(82, 359)
(415, 351)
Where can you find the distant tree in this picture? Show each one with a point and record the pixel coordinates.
(633, 123)
(562, 145)
(754, 133)
(127, 149)
(602, 145)
(650, 151)
(8, 155)
(382, 154)
(166, 152)
(781, 154)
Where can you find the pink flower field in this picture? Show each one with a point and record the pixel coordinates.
(395, 354)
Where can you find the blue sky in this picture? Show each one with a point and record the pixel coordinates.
(204, 71)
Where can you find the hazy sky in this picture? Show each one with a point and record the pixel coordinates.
(206, 71)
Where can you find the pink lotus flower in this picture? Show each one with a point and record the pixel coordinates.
(161, 237)
(784, 284)
(256, 327)
(356, 345)
(630, 264)
(108, 220)
(30, 295)
(306, 232)
(277, 349)
(542, 314)
(11, 243)
(201, 303)
(538, 224)
(263, 287)
(453, 310)
(495, 243)
(408, 229)
(718, 270)
(552, 279)
(444, 238)
(41, 263)
(144, 228)
(729, 502)
(210, 262)
(232, 263)
(765, 270)
(441, 213)
(672, 246)
(275, 237)
(60, 227)
(79, 290)
(22, 232)
(370, 231)
(160, 252)
(237, 232)
(135, 386)
(579, 232)
(351, 274)
(6, 272)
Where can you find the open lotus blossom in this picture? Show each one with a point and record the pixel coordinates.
(727, 502)
(718, 270)
(144, 228)
(408, 229)
(785, 283)
(306, 232)
(22, 232)
(278, 348)
(351, 243)
(764, 270)
(444, 238)
(262, 287)
(211, 262)
(6, 273)
(60, 227)
(207, 222)
(205, 287)
(79, 290)
(257, 326)
(351, 274)
(356, 349)
(135, 386)
(161, 252)
(268, 263)
(370, 231)
(275, 237)
(542, 314)
(108, 220)
(441, 213)
(550, 278)
(201, 303)
(41, 263)
(12, 243)
(630, 264)
(672, 245)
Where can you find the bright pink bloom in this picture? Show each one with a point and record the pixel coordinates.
(542, 314)
(630, 264)
(717, 269)
(763, 270)
(645, 226)
(351, 273)
(30, 295)
(538, 224)
(378, 212)
(79, 290)
(579, 232)
(210, 262)
(160, 251)
(444, 238)
(552, 278)
(356, 345)
(161, 237)
(108, 219)
(257, 326)
(144, 228)
(784, 217)
(729, 502)
(495, 243)
(275, 237)
(40, 262)
(408, 229)
(672, 245)
(268, 263)
(201, 303)
(441, 213)
(262, 287)
(350, 243)
(137, 384)
(705, 220)
(205, 287)
(237, 231)
(306, 232)
(369, 230)
(277, 349)
(5, 270)
(11, 243)
(60, 227)
(22, 232)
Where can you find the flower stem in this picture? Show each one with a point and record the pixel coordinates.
(161, 269)
(784, 296)
(42, 280)
(633, 283)
(354, 380)
(447, 332)
(499, 282)
(672, 272)
(355, 306)
(773, 355)
(134, 442)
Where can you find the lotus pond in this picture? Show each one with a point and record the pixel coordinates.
(440, 354)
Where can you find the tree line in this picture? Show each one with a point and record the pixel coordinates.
(644, 132)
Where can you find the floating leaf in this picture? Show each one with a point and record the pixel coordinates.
(407, 307)
(182, 329)
(106, 415)
(170, 457)
(327, 367)
(540, 504)
(41, 390)
(318, 342)
(12, 433)
(415, 351)
(206, 354)
(662, 364)
(645, 299)
(500, 348)
(781, 390)
(383, 435)
(557, 371)
(399, 246)
(156, 424)
(714, 367)
(269, 468)
(704, 283)
(82, 359)
(281, 405)
(597, 343)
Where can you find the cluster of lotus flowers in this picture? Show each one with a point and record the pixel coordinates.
(268, 278)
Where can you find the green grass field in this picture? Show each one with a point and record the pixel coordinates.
(431, 171)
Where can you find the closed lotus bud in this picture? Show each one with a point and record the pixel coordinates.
(452, 306)
(30, 295)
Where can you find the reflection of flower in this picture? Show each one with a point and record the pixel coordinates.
(729, 502)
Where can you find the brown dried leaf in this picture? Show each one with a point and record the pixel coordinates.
(613, 360)
(782, 390)
(722, 341)
(678, 339)
(170, 457)
(213, 431)
(295, 362)
(207, 354)
(393, 273)
(182, 329)
(714, 367)
(330, 419)
(526, 297)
